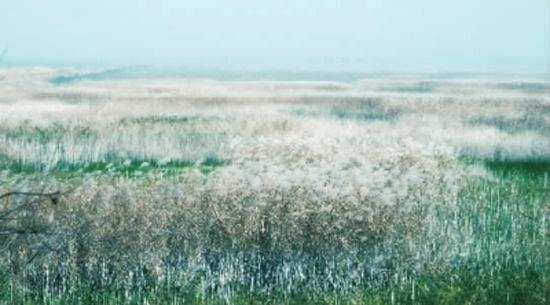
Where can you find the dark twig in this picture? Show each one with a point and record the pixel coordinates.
(53, 196)
(18, 193)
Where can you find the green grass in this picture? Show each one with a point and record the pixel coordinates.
(508, 287)
(158, 119)
(519, 167)
(505, 168)
(368, 109)
(27, 132)
(363, 113)
(210, 164)
(421, 87)
(111, 165)
(528, 122)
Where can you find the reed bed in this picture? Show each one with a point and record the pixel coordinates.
(382, 191)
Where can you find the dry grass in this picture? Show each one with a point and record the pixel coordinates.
(222, 188)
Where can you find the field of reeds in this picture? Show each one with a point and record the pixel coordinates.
(383, 190)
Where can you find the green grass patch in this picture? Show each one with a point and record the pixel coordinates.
(363, 113)
(28, 132)
(508, 167)
(421, 87)
(367, 109)
(534, 166)
(210, 164)
(125, 167)
(158, 119)
(528, 122)
(131, 167)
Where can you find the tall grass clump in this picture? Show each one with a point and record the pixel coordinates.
(483, 241)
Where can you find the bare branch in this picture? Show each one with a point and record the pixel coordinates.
(18, 193)
(53, 196)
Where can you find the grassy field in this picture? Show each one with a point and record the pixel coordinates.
(388, 190)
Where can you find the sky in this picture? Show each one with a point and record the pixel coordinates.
(280, 34)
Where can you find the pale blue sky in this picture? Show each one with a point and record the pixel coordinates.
(285, 34)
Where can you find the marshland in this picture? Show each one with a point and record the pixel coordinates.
(379, 189)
